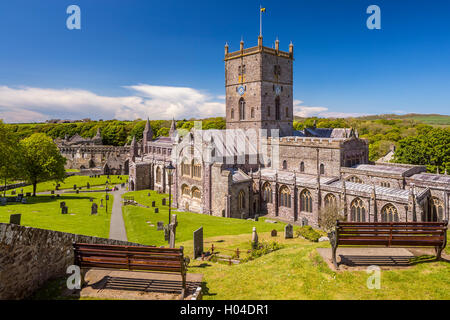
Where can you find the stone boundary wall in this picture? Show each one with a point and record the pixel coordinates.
(29, 257)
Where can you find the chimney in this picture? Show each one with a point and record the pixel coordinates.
(226, 48)
(242, 45)
(277, 45)
(291, 49)
(260, 41)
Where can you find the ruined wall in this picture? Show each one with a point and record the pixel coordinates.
(29, 257)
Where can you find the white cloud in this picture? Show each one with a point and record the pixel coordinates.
(26, 104)
(303, 111)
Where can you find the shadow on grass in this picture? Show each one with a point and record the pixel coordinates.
(46, 199)
(205, 290)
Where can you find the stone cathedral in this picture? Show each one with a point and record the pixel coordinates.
(260, 166)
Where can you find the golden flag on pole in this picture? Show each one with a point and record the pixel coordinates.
(263, 9)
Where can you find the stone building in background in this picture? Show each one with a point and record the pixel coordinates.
(261, 166)
(92, 157)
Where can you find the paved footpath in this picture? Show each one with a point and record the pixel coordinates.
(117, 227)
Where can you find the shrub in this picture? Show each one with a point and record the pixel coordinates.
(308, 233)
(263, 248)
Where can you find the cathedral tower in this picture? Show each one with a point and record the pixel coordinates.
(258, 84)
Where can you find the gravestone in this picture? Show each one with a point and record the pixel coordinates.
(156, 210)
(148, 194)
(166, 233)
(3, 201)
(56, 195)
(15, 218)
(304, 222)
(163, 201)
(101, 203)
(289, 231)
(78, 191)
(52, 192)
(64, 210)
(91, 199)
(254, 238)
(153, 204)
(273, 233)
(198, 243)
(88, 185)
(74, 187)
(13, 193)
(24, 201)
(28, 194)
(56, 188)
(94, 208)
(256, 217)
(173, 230)
(160, 226)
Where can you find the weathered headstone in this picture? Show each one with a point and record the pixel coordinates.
(52, 192)
(160, 226)
(15, 218)
(304, 222)
(198, 243)
(173, 230)
(288, 231)
(166, 233)
(163, 201)
(74, 187)
(64, 210)
(273, 233)
(88, 185)
(254, 238)
(28, 194)
(148, 194)
(153, 204)
(156, 210)
(256, 217)
(94, 208)
(78, 191)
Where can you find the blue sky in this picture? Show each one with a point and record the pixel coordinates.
(164, 59)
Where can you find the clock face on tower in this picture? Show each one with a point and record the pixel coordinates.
(277, 90)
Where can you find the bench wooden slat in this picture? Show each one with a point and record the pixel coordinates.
(391, 234)
(132, 258)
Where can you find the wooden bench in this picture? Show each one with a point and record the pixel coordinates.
(131, 258)
(390, 234)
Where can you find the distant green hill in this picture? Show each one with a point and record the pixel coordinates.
(432, 119)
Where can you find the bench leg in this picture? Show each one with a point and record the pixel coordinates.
(183, 290)
(334, 248)
(438, 252)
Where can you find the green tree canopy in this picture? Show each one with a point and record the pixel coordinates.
(41, 160)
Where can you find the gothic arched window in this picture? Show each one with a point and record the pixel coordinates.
(436, 210)
(196, 193)
(389, 213)
(267, 193)
(354, 179)
(185, 190)
(330, 200)
(242, 109)
(158, 175)
(306, 201)
(232, 113)
(302, 167)
(322, 168)
(241, 200)
(252, 113)
(358, 211)
(277, 108)
(284, 165)
(285, 197)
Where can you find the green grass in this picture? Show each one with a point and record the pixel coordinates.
(44, 212)
(72, 170)
(138, 230)
(298, 272)
(80, 181)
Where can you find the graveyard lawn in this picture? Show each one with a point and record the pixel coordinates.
(297, 272)
(69, 182)
(44, 212)
(141, 223)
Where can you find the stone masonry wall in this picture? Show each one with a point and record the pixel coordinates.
(29, 257)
